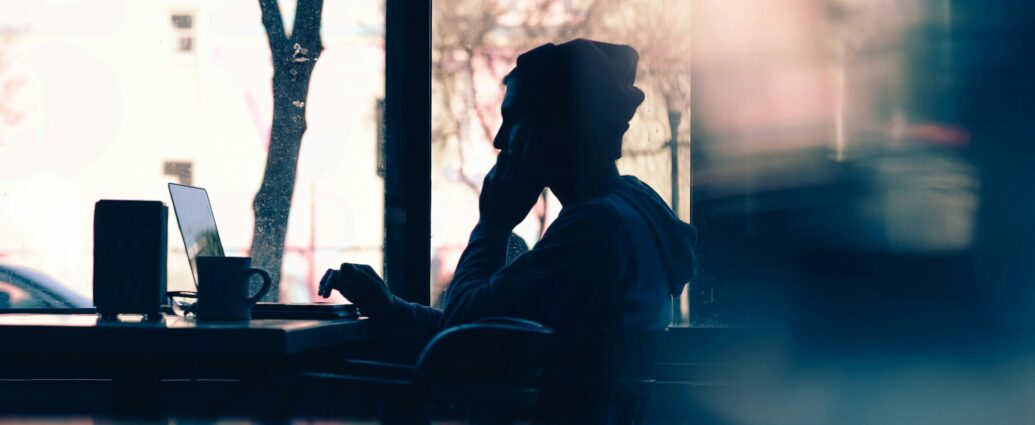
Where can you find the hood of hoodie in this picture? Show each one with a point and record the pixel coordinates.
(675, 237)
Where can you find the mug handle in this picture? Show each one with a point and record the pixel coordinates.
(266, 282)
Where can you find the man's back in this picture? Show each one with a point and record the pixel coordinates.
(612, 261)
(661, 257)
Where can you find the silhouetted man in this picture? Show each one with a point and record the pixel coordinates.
(616, 255)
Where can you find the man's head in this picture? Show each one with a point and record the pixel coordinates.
(567, 106)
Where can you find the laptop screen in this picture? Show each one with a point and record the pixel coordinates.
(197, 223)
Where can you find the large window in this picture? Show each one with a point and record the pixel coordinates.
(113, 99)
(475, 44)
(817, 132)
(815, 144)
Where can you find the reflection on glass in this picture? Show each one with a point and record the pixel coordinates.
(818, 132)
(826, 154)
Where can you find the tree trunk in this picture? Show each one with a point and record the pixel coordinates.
(294, 58)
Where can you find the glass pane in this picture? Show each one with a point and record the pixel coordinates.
(831, 169)
(113, 99)
(818, 132)
(475, 44)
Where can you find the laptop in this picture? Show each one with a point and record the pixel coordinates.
(197, 225)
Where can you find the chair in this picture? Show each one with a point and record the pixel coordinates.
(507, 368)
(488, 368)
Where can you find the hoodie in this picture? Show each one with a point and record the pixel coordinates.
(674, 240)
(614, 261)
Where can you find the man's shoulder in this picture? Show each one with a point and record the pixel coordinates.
(608, 206)
(600, 207)
(599, 215)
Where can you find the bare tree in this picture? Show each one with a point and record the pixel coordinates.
(462, 28)
(294, 57)
(475, 39)
(660, 31)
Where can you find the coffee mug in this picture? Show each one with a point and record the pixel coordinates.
(223, 288)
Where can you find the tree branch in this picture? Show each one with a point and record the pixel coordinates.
(306, 30)
(578, 28)
(449, 92)
(482, 120)
(274, 25)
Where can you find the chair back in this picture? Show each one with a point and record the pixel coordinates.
(498, 353)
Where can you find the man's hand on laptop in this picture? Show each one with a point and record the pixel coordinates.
(361, 285)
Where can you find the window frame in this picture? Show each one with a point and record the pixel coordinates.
(407, 125)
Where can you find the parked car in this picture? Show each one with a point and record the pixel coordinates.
(26, 288)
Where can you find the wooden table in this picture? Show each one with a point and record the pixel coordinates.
(138, 355)
(176, 337)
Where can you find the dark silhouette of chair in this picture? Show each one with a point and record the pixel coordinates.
(503, 369)
(491, 368)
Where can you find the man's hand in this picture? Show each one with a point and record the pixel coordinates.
(508, 193)
(361, 285)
